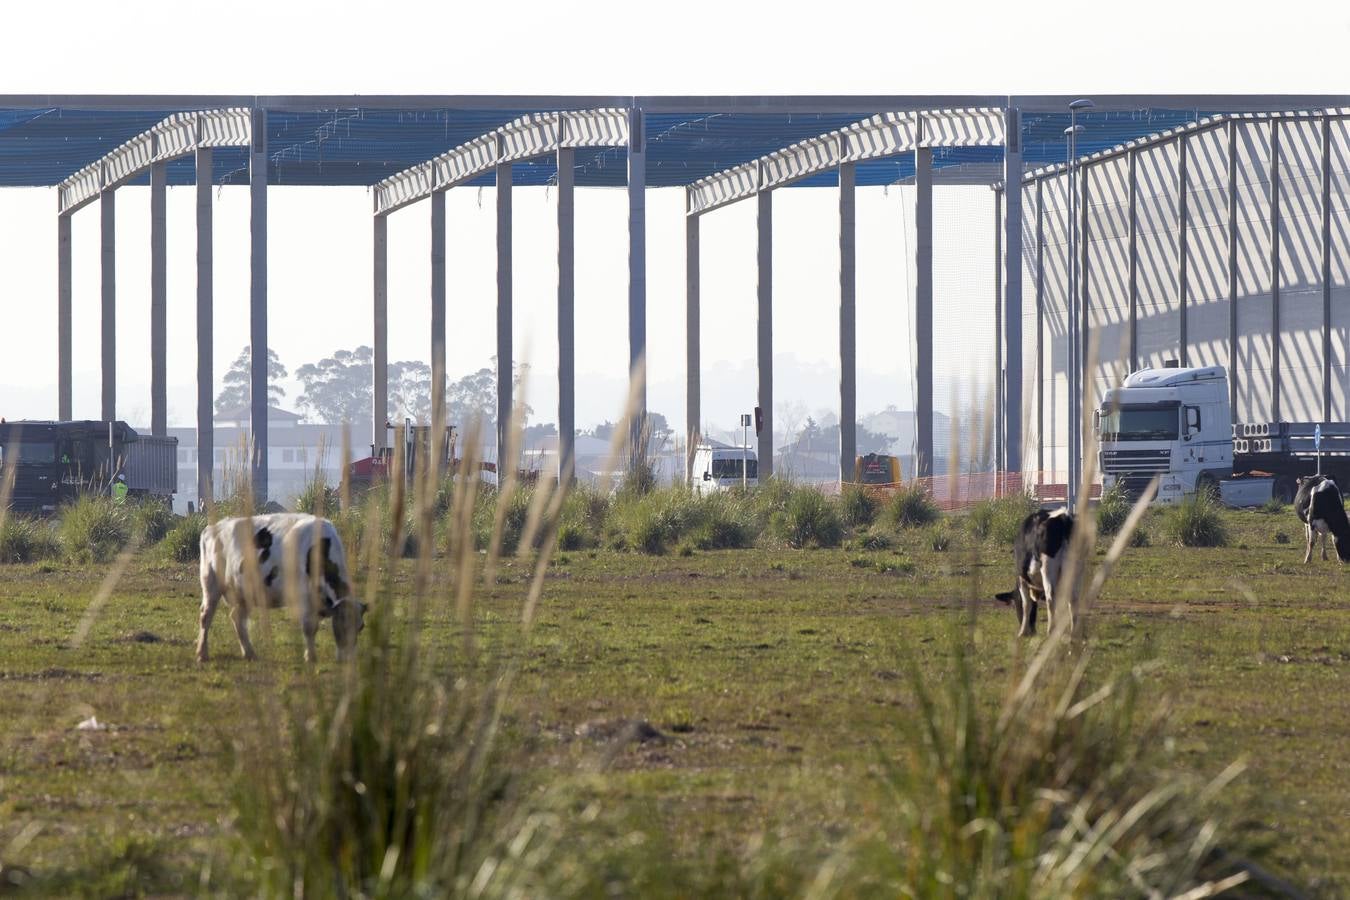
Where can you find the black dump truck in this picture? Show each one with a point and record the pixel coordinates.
(54, 462)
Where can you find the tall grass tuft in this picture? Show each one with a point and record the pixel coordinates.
(910, 507)
(1195, 522)
(317, 497)
(390, 776)
(1000, 519)
(151, 520)
(1112, 509)
(809, 519)
(857, 506)
(27, 540)
(1064, 789)
(182, 543)
(93, 529)
(584, 514)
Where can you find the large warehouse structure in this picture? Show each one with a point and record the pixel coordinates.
(1212, 227)
(1221, 242)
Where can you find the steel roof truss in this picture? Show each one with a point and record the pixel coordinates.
(881, 136)
(178, 135)
(527, 137)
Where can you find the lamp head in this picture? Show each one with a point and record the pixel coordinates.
(1080, 105)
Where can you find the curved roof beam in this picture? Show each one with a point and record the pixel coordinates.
(1162, 137)
(178, 135)
(529, 136)
(883, 135)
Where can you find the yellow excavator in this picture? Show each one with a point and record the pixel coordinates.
(877, 469)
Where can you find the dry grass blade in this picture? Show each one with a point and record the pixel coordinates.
(7, 485)
(508, 478)
(1122, 540)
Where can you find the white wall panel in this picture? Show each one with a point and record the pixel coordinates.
(1207, 248)
(1207, 260)
(1300, 271)
(1340, 270)
(1159, 303)
(1108, 271)
(1253, 258)
(1056, 198)
(1031, 397)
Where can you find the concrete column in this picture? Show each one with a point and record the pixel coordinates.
(1040, 326)
(1275, 270)
(206, 439)
(1326, 268)
(637, 264)
(567, 401)
(159, 325)
(998, 332)
(63, 319)
(764, 332)
(504, 369)
(923, 311)
(257, 234)
(437, 299)
(1232, 272)
(1183, 288)
(1012, 293)
(1134, 260)
(108, 260)
(379, 388)
(693, 399)
(848, 324)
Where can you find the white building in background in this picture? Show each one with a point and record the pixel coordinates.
(294, 451)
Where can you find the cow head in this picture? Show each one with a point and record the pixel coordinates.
(349, 618)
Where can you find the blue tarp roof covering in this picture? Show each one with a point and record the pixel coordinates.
(360, 146)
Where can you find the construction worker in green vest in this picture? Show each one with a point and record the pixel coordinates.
(119, 489)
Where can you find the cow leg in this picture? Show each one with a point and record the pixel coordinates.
(239, 616)
(1324, 546)
(1051, 569)
(309, 624)
(1308, 532)
(210, 600)
(1028, 611)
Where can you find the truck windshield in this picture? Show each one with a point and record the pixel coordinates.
(1157, 422)
(28, 453)
(731, 468)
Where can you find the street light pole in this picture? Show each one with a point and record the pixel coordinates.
(1076, 373)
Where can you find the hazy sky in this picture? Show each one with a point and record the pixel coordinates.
(319, 250)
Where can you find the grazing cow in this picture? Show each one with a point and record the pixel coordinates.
(1322, 511)
(318, 576)
(1039, 551)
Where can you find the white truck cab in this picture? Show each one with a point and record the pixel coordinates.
(1171, 422)
(717, 467)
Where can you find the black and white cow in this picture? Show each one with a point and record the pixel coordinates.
(1322, 511)
(242, 558)
(1039, 551)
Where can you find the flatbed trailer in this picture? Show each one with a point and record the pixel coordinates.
(1287, 451)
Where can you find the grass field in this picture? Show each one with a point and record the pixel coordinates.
(778, 682)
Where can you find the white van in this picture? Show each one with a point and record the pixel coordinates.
(718, 468)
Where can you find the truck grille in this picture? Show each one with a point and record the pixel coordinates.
(1136, 462)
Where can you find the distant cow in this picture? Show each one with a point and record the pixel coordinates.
(318, 578)
(1322, 511)
(1039, 552)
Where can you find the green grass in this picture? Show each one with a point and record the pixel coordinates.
(779, 681)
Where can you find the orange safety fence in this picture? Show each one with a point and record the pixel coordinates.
(953, 492)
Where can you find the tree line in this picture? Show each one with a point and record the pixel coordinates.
(337, 389)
